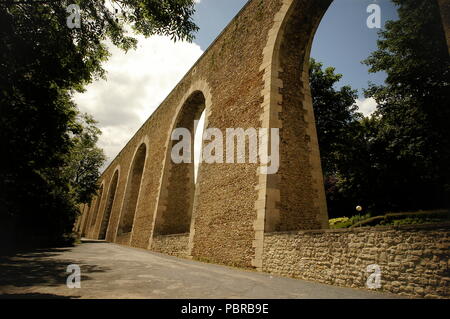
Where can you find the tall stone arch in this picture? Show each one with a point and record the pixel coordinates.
(110, 198)
(85, 220)
(90, 216)
(269, 89)
(177, 190)
(131, 197)
(96, 210)
(175, 205)
(294, 198)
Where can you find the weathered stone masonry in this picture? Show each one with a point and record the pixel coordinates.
(175, 245)
(254, 75)
(414, 260)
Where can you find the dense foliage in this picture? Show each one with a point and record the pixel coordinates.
(42, 63)
(414, 108)
(84, 160)
(338, 124)
(398, 158)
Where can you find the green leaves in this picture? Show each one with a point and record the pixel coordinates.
(398, 158)
(401, 162)
(334, 111)
(50, 162)
(83, 162)
(339, 133)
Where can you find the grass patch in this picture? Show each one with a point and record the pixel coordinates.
(391, 219)
(345, 222)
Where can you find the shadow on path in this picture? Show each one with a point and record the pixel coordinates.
(35, 296)
(40, 267)
(93, 241)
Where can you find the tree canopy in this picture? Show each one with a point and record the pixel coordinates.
(84, 160)
(413, 107)
(339, 130)
(396, 159)
(43, 62)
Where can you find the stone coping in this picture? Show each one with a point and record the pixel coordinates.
(172, 235)
(428, 226)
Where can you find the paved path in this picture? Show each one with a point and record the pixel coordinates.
(113, 271)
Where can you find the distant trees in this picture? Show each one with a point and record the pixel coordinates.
(42, 63)
(398, 159)
(83, 162)
(339, 130)
(414, 107)
(335, 113)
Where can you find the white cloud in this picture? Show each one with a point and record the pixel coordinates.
(366, 106)
(137, 82)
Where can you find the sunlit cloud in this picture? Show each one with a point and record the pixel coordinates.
(366, 106)
(137, 82)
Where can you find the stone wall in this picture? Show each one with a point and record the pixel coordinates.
(175, 245)
(414, 260)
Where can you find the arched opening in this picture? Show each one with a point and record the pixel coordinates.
(198, 143)
(97, 206)
(301, 201)
(132, 191)
(85, 220)
(90, 216)
(79, 221)
(337, 80)
(175, 206)
(365, 175)
(109, 204)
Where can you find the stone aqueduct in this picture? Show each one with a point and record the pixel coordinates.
(255, 74)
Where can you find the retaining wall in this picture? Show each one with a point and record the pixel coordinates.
(175, 245)
(414, 260)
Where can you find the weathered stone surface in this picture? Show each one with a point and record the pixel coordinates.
(419, 268)
(253, 76)
(175, 245)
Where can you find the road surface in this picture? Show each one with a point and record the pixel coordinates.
(114, 271)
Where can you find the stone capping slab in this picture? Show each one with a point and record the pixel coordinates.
(427, 226)
(173, 235)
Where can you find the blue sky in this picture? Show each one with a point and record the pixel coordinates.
(343, 39)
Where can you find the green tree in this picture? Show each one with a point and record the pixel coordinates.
(84, 160)
(42, 63)
(357, 179)
(335, 111)
(414, 109)
(338, 130)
